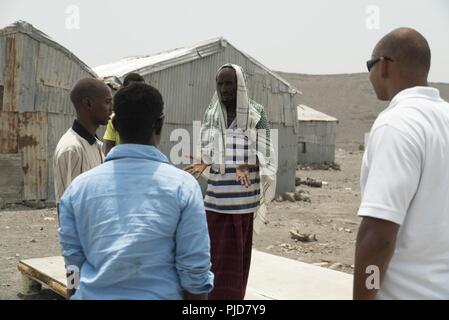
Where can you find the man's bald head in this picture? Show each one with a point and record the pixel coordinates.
(87, 88)
(92, 100)
(409, 50)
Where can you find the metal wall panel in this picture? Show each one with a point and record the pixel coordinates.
(28, 55)
(11, 177)
(2, 62)
(319, 140)
(9, 127)
(11, 74)
(33, 145)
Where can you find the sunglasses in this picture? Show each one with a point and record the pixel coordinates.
(372, 62)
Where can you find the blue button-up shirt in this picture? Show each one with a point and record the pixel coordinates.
(136, 228)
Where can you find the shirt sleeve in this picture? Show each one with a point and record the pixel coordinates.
(192, 242)
(72, 250)
(394, 169)
(67, 167)
(110, 133)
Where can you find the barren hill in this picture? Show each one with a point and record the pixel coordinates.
(348, 97)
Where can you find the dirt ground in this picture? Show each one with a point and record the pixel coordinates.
(331, 216)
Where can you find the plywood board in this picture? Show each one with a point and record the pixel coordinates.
(49, 271)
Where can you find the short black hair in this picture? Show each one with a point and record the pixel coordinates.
(138, 110)
(86, 88)
(132, 77)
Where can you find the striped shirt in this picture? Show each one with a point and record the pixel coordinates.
(225, 194)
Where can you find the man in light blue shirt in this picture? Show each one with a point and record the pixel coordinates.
(135, 227)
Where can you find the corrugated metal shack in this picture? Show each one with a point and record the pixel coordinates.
(36, 75)
(316, 136)
(186, 79)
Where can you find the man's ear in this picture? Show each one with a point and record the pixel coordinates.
(87, 103)
(158, 125)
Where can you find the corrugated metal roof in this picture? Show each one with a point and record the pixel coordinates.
(306, 113)
(152, 63)
(27, 28)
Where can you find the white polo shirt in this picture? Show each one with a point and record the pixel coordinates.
(405, 179)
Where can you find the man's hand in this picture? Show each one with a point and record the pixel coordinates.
(191, 296)
(242, 173)
(196, 169)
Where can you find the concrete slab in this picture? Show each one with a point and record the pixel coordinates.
(271, 278)
(278, 278)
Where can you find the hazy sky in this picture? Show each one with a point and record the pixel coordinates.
(316, 37)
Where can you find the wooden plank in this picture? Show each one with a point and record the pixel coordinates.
(49, 271)
(11, 182)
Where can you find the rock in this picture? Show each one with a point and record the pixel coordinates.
(297, 181)
(304, 237)
(49, 219)
(17, 255)
(321, 264)
(348, 230)
(279, 198)
(352, 266)
(300, 196)
(7, 228)
(2, 203)
(313, 183)
(33, 241)
(290, 196)
(348, 189)
(35, 204)
(42, 229)
(336, 266)
(325, 183)
(340, 229)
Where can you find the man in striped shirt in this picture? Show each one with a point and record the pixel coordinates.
(229, 141)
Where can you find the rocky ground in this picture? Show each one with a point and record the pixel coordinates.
(328, 221)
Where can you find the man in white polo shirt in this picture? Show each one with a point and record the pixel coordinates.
(403, 240)
(79, 149)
